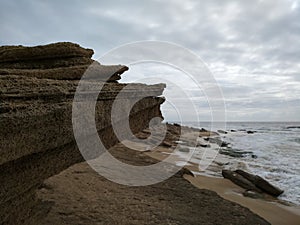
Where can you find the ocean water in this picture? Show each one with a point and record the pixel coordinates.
(272, 151)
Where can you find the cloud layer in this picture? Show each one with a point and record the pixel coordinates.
(252, 47)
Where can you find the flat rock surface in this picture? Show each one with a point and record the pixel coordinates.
(82, 196)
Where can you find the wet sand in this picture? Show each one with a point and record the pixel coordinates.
(270, 209)
(275, 213)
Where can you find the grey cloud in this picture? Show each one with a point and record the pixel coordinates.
(249, 45)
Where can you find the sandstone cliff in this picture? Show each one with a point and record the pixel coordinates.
(37, 86)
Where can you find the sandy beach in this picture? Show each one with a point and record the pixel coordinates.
(274, 211)
(82, 196)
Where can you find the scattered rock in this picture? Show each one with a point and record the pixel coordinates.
(217, 141)
(166, 144)
(293, 127)
(184, 149)
(206, 133)
(221, 163)
(203, 145)
(224, 144)
(222, 132)
(253, 194)
(236, 153)
(186, 171)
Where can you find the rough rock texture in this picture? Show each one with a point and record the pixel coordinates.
(36, 132)
(251, 182)
(50, 51)
(239, 180)
(261, 183)
(60, 61)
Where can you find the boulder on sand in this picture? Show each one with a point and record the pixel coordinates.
(240, 180)
(251, 182)
(261, 183)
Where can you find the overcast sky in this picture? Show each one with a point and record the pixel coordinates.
(251, 47)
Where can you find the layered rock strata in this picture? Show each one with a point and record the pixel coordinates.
(37, 86)
(60, 61)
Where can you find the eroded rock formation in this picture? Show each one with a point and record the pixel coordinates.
(37, 86)
(60, 61)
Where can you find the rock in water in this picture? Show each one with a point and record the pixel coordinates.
(240, 180)
(293, 127)
(236, 153)
(261, 183)
(217, 141)
(222, 132)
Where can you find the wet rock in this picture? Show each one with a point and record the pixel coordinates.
(261, 183)
(222, 132)
(217, 141)
(240, 180)
(253, 194)
(250, 132)
(236, 153)
(293, 127)
(184, 149)
(203, 145)
(166, 144)
(184, 171)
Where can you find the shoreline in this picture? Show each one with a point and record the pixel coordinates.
(181, 199)
(272, 210)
